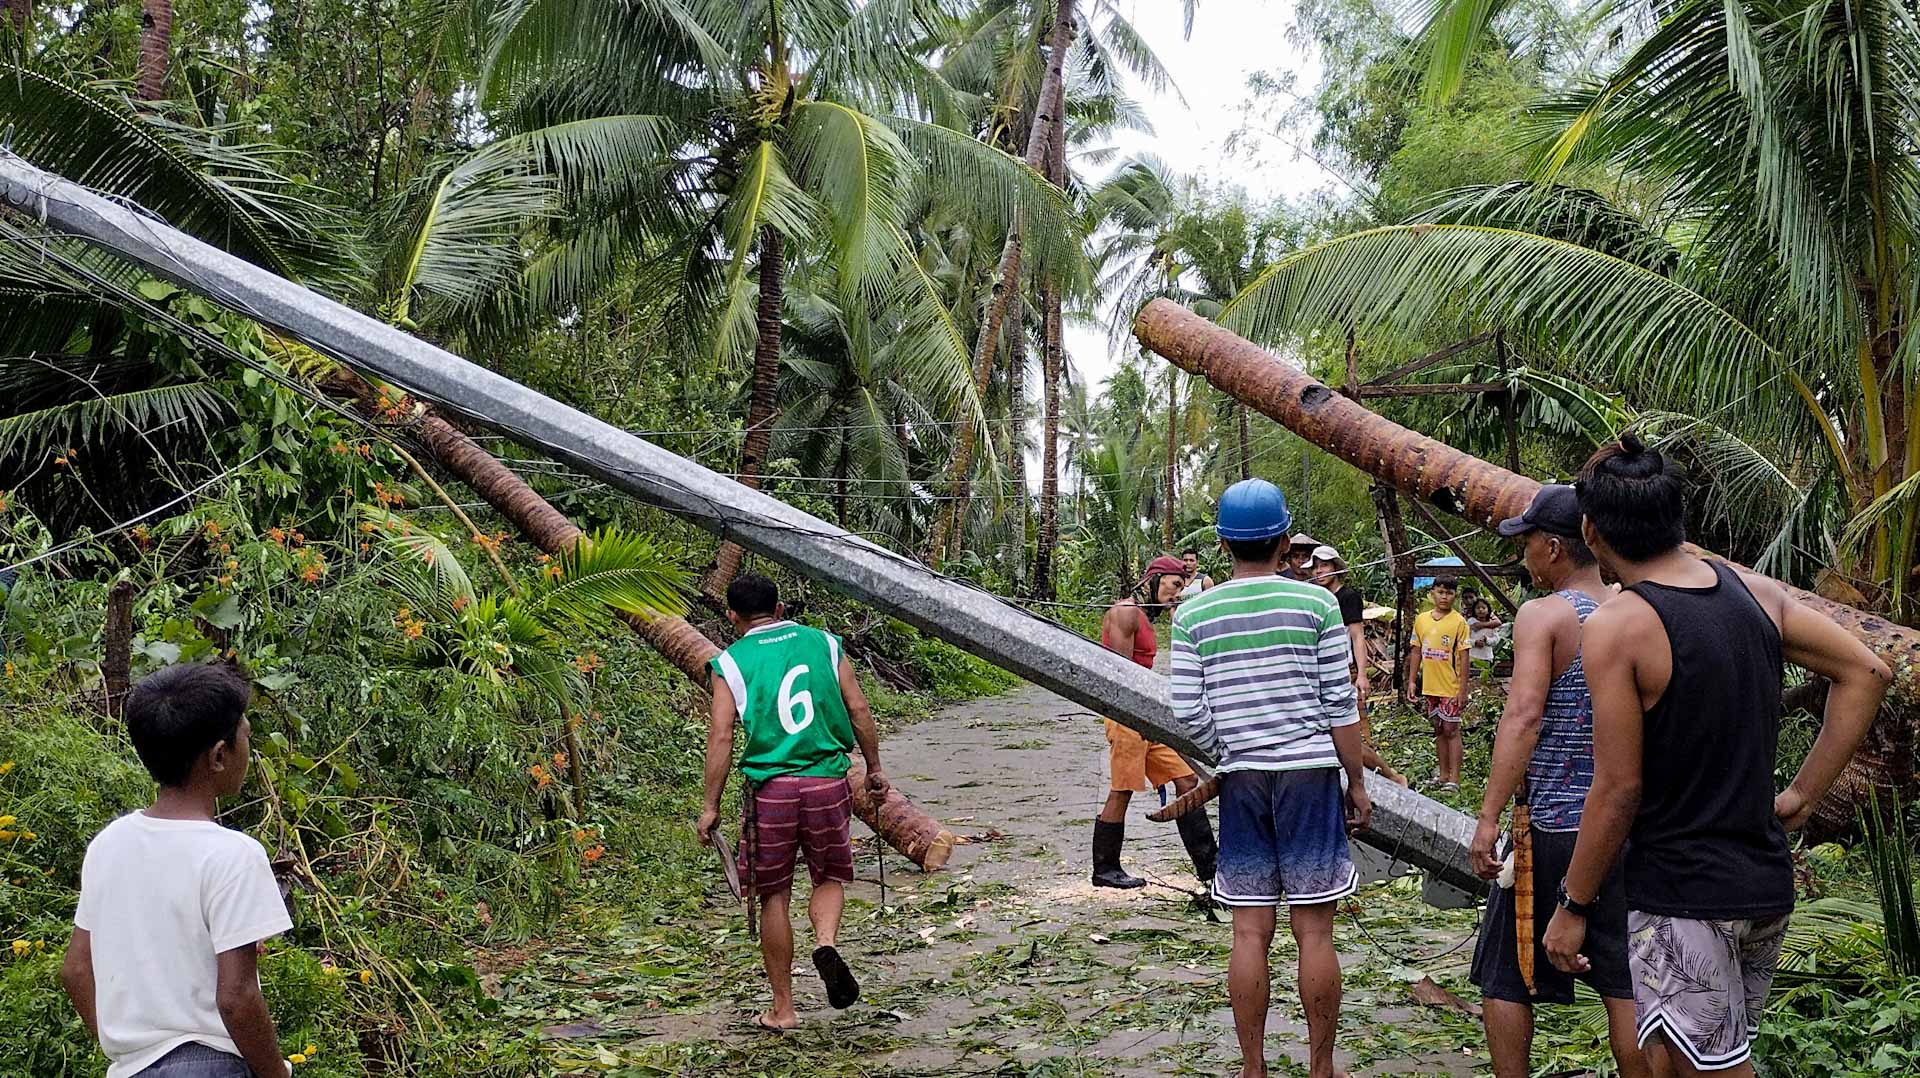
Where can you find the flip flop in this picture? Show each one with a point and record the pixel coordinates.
(760, 1022)
(842, 990)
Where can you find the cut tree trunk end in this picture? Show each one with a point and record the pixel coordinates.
(1484, 494)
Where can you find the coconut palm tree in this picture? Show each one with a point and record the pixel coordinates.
(803, 123)
(1165, 236)
(1765, 150)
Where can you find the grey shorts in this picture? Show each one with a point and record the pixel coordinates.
(1701, 985)
(198, 1061)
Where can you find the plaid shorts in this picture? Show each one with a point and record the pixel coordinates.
(1702, 984)
(799, 815)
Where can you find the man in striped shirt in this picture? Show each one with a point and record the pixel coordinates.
(1260, 679)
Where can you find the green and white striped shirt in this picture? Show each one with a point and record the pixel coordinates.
(1260, 673)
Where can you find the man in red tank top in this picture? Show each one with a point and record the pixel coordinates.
(1134, 762)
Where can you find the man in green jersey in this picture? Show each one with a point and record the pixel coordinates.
(794, 691)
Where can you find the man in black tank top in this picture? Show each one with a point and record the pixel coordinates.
(1684, 668)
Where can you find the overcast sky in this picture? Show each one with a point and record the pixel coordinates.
(1231, 39)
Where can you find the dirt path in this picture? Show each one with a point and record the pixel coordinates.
(1010, 962)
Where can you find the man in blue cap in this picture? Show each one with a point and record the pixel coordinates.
(1260, 679)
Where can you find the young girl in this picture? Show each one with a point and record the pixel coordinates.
(1483, 624)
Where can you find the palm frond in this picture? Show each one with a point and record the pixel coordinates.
(654, 42)
(996, 189)
(1562, 212)
(1636, 326)
(860, 172)
(418, 546)
(215, 184)
(617, 569)
(84, 422)
(1451, 33)
(458, 238)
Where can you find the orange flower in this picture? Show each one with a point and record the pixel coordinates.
(213, 529)
(541, 777)
(593, 853)
(366, 527)
(278, 535)
(559, 761)
(580, 836)
(460, 603)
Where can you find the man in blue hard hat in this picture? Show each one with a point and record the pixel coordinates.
(1260, 679)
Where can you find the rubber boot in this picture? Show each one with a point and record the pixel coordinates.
(1196, 834)
(1107, 838)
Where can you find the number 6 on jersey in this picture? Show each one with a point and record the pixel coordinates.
(791, 701)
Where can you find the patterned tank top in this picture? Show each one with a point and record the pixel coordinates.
(1561, 770)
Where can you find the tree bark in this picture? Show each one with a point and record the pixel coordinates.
(116, 652)
(761, 400)
(1173, 431)
(1051, 357)
(1016, 440)
(902, 824)
(1246, 443)
(1485, 494)
(1049, 112)
(156, 43)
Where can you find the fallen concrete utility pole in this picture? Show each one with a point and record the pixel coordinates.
(1485, 494)
(1420, 831)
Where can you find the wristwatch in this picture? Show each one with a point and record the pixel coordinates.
(1578, 909)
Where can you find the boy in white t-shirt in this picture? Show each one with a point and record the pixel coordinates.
(173, 906)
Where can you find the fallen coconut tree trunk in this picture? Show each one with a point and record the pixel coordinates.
(901, 823)
(1485, 494)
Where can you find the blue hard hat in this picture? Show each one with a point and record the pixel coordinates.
(1253, 509)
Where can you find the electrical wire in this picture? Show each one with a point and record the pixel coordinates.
(132, 522)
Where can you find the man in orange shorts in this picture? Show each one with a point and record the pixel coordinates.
(1135, 762)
